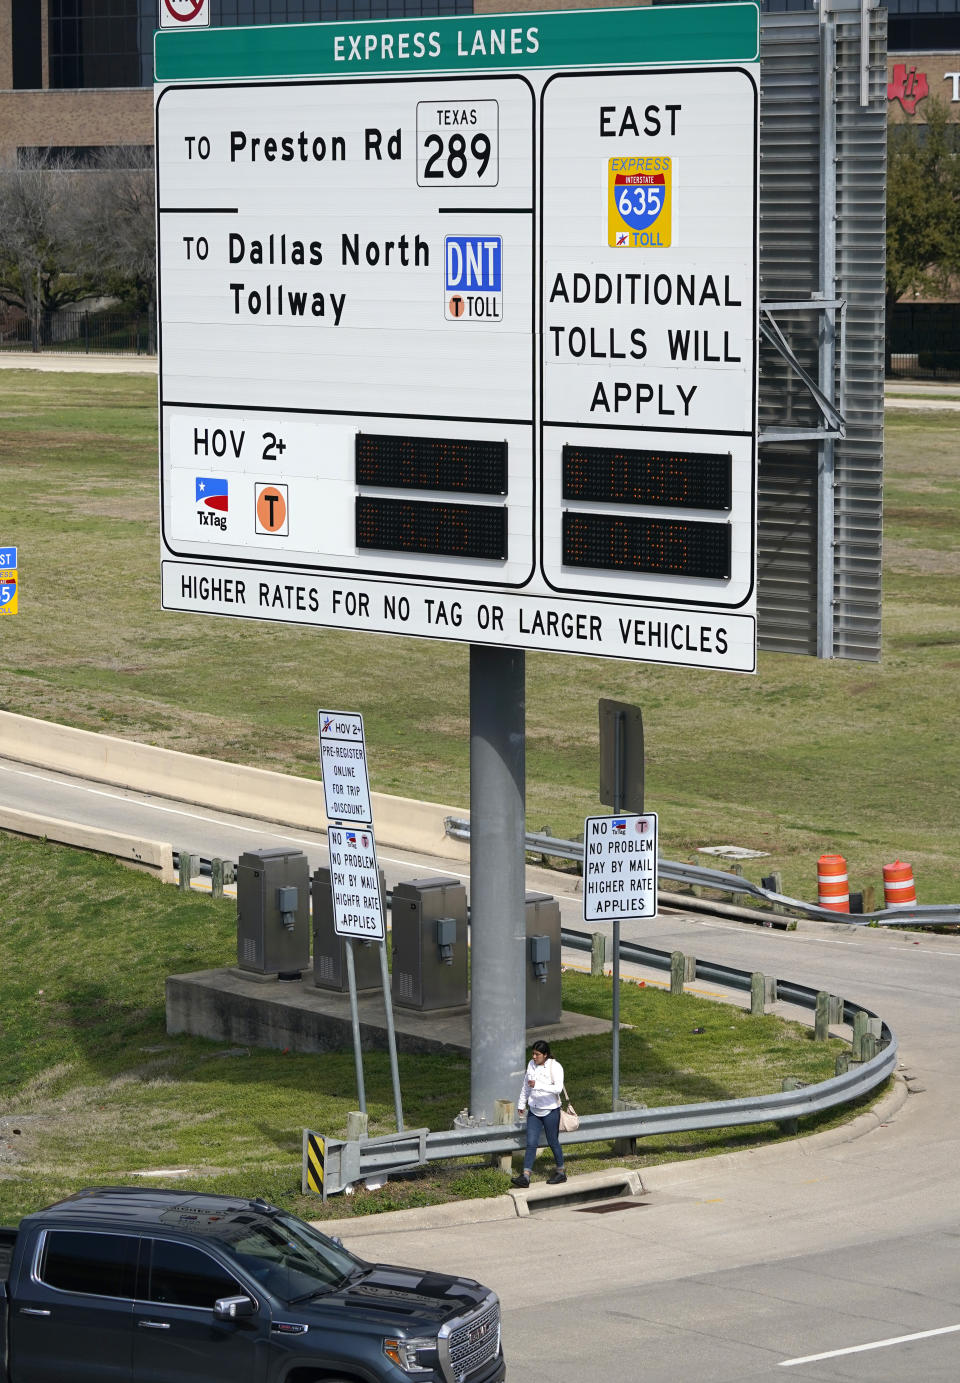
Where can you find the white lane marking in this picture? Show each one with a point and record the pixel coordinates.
(876, 1344)
(797, 940)
(210, 820)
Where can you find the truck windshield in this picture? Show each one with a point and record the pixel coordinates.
(289, 1259)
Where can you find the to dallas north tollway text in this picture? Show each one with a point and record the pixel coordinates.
(416, 611)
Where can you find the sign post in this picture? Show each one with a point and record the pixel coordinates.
(458, 339)
(619, 884)
(354, 873)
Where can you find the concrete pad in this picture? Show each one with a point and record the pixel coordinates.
(227, 1006)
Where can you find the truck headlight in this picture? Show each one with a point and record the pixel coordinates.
(413, 1356)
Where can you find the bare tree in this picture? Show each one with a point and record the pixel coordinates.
(39, 265)
(117, 227)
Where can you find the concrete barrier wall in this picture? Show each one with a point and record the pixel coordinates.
(399, 822)
(152, 854)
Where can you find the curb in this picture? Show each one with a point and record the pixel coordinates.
(669, 1175)
(623, 1181)
(590, 1186)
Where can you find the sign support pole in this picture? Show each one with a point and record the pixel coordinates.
(618, 789)
(497, 875)
(355, 1019)
(391, 1035)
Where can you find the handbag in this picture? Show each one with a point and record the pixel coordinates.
(569, 1118)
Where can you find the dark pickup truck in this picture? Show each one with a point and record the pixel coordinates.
(151, 1286)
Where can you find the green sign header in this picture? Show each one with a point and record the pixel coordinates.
(463, 43)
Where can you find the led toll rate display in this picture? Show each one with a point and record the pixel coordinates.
(431, 463)
(628, 543)
(616, 475)
(448, 530)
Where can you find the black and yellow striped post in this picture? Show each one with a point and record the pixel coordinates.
(313, 1159)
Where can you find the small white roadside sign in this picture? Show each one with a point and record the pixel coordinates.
(355, 882)
(179, 14)
(343, 767)
(620, 867)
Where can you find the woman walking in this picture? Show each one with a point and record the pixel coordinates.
(540, 1097)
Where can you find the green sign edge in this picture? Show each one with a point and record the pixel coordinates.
(643, 36)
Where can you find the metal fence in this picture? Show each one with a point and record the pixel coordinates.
(699, 876)
(331, 1164)
(80, 333)
(924, 341)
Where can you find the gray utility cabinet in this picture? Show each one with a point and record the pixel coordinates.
(329, 949)
(273, 912)
(429, 918)
(544, 1000)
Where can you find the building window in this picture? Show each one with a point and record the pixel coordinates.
(102, 43)
(27, 45)
(96, 43)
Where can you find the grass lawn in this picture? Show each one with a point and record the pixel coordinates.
(93, 1091)
(802, 759)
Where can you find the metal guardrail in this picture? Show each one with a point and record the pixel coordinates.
(331, 1165)
(699, 876)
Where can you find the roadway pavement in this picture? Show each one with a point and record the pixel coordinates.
(739, 1267)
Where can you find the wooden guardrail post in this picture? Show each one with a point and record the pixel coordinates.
(789, 1126)
(821, 1026)
(503, 1113)
(216, 878)
(678, 971)
(773, 883)
(598, 953)
(860, 1028)
(188, 867)
(357, 1125)
(758, 994)
(626, 1147)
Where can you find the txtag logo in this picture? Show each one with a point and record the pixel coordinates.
(212, 502)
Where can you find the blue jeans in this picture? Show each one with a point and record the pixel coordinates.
(549, 1125)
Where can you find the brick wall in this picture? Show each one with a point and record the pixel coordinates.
(42, 118)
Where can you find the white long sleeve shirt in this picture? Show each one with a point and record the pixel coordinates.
(544, 1094)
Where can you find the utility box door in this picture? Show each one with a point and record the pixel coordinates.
(422, 977)
(269, 941)
(544, 998)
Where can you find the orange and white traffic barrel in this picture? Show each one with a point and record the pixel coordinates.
(899, 890)
(833, 888)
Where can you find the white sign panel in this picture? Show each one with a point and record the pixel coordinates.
(343, 767)
(620, 867)
(459, 341)
(355, 883)
(178, 14)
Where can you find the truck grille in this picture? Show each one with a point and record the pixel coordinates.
(472, 1343)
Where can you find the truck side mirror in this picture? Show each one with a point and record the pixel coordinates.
(232, 1308)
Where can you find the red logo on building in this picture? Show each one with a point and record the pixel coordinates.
(909, 87)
